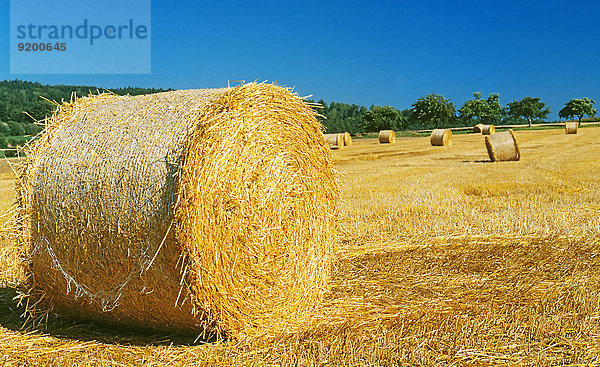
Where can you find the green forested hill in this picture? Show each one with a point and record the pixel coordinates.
(21, 102)
(17, 97)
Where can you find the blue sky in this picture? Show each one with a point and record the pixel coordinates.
(379, 52)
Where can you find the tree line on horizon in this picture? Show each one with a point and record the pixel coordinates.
(21, 106)
(435, 111)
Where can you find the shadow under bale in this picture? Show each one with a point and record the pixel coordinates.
(15, 316)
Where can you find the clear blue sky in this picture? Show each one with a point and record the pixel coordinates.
(368, 52)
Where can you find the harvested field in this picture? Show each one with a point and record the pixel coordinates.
(444, 259)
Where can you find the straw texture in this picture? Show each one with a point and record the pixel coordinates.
(335, 141)
(503, 147)
(571, 127)
(206, 210)
(441, 137)
(488, 129)
(387, 136)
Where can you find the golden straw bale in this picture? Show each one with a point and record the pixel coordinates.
(503, 147)
(335, 141)
(206, 210)
(347, 139)
(477, 128)
(387, 136)
(571, 127)
(441, 137)
(488, 129)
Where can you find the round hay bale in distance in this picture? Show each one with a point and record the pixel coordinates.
(441, 137)
(387, 136)
(488, 129)
(335, 141)
(477, 128)
(204, 210)
(571, 127)
(347, 139)
(503, 147)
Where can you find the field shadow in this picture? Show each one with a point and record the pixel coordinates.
(12, 317)
(478, 161)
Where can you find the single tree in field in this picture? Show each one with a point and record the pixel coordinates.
(480, 110)
(382, 118)
(578, 107)
(529, 108)
(433, 109)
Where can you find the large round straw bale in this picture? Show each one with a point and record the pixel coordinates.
(571, 127)
(488, 129)
(441, 137)
(387, 136)
(503, 146)
(477, 128)
(335, 141)
(206, 210)
(347, 139)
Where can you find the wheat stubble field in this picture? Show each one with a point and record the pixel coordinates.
(444, 259)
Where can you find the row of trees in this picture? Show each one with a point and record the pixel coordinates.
(435, 111)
